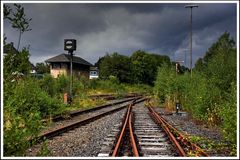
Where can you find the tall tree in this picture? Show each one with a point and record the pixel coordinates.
(18, 19)
(145, 66)
(219, 63)
(115, 65)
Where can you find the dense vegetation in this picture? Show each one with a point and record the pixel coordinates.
(210, 95)
(139, 68)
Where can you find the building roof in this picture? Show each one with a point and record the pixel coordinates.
(66, 58)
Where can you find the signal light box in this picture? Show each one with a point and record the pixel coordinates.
(70, 44)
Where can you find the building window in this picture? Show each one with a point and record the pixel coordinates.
(93, 73)
(56, 65)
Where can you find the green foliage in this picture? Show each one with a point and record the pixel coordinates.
(42, 68)
(18, 19)
(145, 65)
(164, 85)
(17, 62)
(62, 84)
(223, 46)
(140, 68)
(115, 65)
(111, 85)
(48, 84)
(210, 94)
(7, 11)
(25, 104)
(228, 113)
(44, 151)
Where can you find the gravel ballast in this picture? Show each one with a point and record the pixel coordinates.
(84, 141)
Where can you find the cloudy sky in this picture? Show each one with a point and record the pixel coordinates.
(159, 28)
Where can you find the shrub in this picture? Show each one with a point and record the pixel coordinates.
(24, 107)
(228, 113)
(48, 84)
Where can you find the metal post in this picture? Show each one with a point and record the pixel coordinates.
(71, 74)
(70, 46)
(191, 6)
(191, 42)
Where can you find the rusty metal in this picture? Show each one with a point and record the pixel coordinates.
(57, 131)
(184, 140)
(134, 144)
(180, 137)
(112, 96)
(120, 138)
(127, 123)
(79, 112)
(157, 118)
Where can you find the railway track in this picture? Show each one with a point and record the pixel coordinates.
(84, 119)
(111, 97)
(143, 132)
(80, 112)
(185, 144)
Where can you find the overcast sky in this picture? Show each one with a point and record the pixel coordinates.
(124, 28)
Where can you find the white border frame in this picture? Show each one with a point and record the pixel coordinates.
(237, 45)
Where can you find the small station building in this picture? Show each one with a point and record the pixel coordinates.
(60, 64)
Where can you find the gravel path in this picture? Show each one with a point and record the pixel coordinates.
(185, 124)
(188, 126)
(84, 141)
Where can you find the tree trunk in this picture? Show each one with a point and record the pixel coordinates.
(19, 39)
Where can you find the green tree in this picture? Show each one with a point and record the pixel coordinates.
(18, 20)
(7, 11)
(17, 62)
(224, 45)
(144, 66)
(42, 68)
(115, 65)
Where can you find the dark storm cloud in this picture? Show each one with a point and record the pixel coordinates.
(124, 28)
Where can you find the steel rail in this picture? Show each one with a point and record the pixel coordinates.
(134, 144)
(62, 129)
(122, 133)
(127, 123)
(185, 141)
(156, 117)
(181, 137)
(79, 112)
(57, 131)
(111, 96)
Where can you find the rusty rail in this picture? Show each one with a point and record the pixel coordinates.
(123, 131)
(180, 137)
(185, 141)
(134, 144)
(62, 129)
(112, 96)
(127, 123)
(79, 112)
(158, 119)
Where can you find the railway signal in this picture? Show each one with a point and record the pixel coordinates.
(70, 45)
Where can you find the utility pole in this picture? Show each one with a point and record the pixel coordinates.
(191, 7)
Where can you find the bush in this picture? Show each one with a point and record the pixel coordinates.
(48, 85)
(228, 113)
(62, 84)
(24, 107)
